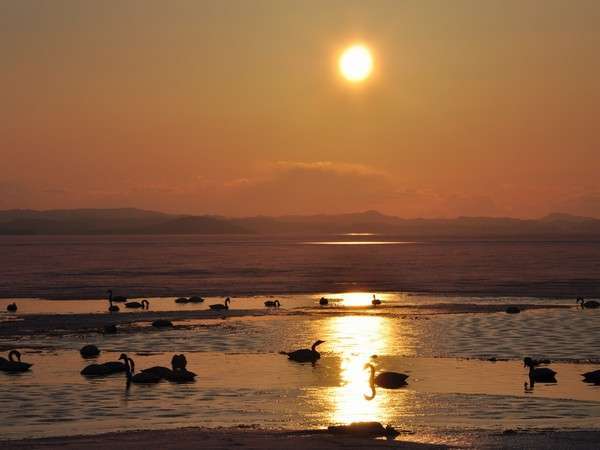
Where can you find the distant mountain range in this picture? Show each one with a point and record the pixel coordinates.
(136, 221)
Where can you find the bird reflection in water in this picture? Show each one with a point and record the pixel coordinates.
(357, 338)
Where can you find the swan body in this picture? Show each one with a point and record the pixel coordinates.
(221, 306)
(162, 323)
(541, 374)
(591, 304)
(305, 354)
(178, 372)
(591, 377)
(89, 351)
(116, 298)
(387, 380)
(323, 301)
(195, 299)
(182, 300)
(12, 365)
(107, 368)
(12, 307)
(375, 301)
(272, 304)
(138, 378)
(145, 304)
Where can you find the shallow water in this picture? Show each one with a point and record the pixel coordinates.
(244, 380)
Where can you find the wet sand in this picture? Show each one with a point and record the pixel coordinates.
(55, 324)
(220, 439)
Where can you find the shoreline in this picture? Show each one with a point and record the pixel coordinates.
(28, 324)
(260, 439)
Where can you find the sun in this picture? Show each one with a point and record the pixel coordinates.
(356, 63)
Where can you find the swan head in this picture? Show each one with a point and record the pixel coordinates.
(15, 353)
(528, 362)
(123, 357)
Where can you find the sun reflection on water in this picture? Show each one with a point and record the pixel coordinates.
(359, 298)
(359, 339)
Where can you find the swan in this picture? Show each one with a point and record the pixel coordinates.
(375, 301)
(116, 298)
(386, 380)
(140, 378)
(112, 308)
(10, 365)
(89, 351)
(591, 377)
(145, 304)
(182, 300)
(107, 368)
(305, 354)
(195, 299)
(272, 304)
(542, 374)
(162, 323)
(177, 373)
(512, 310)
(12, 307)
(323, 301)
(219, 306)
(592, 304)
(110, 329)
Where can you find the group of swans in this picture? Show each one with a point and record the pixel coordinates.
(177, 373)
(272, 304)
(324, 301)
(144, 304)
(192, 299)
(386, 380)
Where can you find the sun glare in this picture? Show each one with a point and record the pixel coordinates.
(356, 63)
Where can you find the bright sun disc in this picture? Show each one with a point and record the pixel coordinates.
(356, 63)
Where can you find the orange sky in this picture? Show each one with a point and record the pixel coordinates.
(235, 107)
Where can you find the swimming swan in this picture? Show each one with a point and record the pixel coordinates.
(272, 304)
(591, 304)
(89, 351)
(591, 377)
(177, 373)
(116, 298)
(221, 306)
(542, 374)
(145, 304)
(12, 365)
(138, 378)
(107, 368)
(305, 354)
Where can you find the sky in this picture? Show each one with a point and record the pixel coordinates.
(237, 107)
